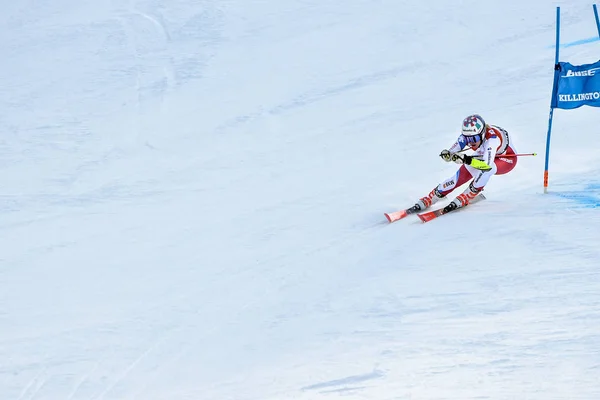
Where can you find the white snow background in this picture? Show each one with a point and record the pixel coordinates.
(192, 197)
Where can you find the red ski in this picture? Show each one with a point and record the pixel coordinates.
(428, 216)
(395, 216)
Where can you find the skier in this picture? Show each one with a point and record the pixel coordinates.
(489, 143)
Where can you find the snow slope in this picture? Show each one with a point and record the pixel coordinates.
(192, 198)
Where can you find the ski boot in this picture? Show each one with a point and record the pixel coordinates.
(425, 202)
(463, 199)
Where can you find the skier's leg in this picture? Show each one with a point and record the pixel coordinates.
(462, 176)
(440, 191)
(480, 179)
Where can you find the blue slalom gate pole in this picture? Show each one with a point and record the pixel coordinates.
(597, 20)
(556, 72)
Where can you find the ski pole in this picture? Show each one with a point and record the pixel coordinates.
(516, 155)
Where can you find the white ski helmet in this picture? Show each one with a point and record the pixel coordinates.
(473, 125)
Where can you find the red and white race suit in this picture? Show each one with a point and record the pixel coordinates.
(496, 143)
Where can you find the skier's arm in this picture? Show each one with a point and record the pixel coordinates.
(484, 161)
(489, 154)
(460, 144)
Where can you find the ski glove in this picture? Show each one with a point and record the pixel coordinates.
(473, 162)
(446, 155)
(458, 159)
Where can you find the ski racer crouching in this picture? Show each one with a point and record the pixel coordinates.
(490, 143)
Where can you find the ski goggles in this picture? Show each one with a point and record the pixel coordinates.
(472, 139)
